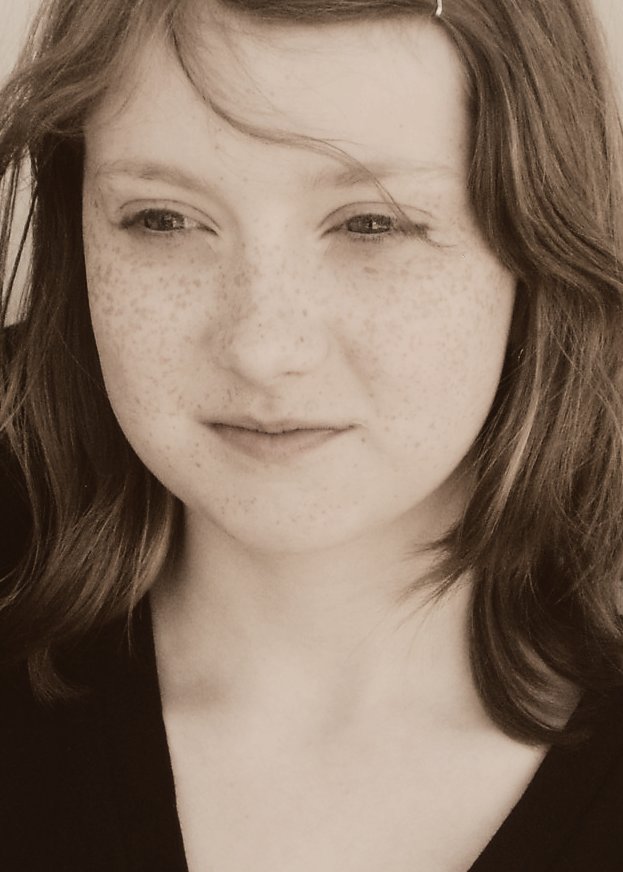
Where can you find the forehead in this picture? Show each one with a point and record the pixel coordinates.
(390, 94)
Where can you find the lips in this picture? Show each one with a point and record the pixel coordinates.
(278, 427)
(275, 441)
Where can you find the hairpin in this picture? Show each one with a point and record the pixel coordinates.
(439, 10)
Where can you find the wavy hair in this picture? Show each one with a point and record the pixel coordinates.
(542, 535)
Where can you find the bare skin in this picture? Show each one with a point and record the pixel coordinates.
(315, 720)
(313, 754)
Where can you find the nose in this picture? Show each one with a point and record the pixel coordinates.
(270, 326)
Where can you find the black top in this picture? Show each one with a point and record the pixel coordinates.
(87, 786)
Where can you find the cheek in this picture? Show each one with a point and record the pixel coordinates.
(433, 350)
(142, 317)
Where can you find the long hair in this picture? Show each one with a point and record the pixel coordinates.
(542, 535)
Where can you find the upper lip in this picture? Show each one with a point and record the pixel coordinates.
(283, 425)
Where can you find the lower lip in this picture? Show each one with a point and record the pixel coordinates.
(273, 446)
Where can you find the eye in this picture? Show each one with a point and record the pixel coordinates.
(161, 222)
(379, 227)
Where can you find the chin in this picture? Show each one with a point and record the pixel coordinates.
(288, 532)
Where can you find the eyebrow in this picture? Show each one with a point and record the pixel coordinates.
(359, 172)
(340, 177)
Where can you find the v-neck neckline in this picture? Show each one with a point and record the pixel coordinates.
(531, 836)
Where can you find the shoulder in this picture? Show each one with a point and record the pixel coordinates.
(578, 803)
(591, 777)
(115, 662)
(86, 783)
(57, 793)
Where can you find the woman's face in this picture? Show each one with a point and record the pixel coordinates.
(240, 284)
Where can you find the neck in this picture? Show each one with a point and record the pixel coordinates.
(319, 638)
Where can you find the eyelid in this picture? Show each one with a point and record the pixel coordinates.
(384, 204)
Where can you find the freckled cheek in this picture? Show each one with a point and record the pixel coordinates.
(432, 331)
(145, 322)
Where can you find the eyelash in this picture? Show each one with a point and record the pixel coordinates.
(396, 228)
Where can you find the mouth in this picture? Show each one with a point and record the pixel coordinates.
(275, 441)
(279, 427)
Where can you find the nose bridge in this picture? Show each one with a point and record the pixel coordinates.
(268, 277)
(271, 325)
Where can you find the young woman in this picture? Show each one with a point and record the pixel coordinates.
(312, 454)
